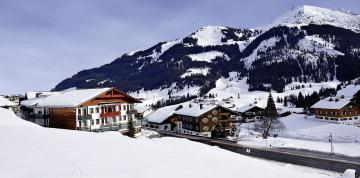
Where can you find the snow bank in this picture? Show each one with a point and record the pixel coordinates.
(8, 118)
(44, 152)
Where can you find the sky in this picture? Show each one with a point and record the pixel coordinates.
(43, 42)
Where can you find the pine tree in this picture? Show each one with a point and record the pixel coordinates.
(300, 101)
(131, 128)
(270, 106)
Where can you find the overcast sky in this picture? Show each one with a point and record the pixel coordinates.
(43, 42)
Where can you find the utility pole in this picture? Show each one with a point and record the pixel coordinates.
(331, 143)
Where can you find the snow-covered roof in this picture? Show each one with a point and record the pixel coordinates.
(71, 98)
(5, 102)
(246, 108)
(36, 94)
(161, 114)
(31, 102)
(332, 103)
(195, 110)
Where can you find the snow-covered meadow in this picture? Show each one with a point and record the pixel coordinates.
(306, 133)
(28, 150)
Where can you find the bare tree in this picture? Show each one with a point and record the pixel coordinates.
(270, 121)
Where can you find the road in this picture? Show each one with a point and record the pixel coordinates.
(320, 160)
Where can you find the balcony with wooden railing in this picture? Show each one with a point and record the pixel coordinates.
(110, 114)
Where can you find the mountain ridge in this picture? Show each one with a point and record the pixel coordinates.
(269, 57)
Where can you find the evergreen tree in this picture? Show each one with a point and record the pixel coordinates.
(131, 128)
(285, 101)
(270, 106)
(301, 100)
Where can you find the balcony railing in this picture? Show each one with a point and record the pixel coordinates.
(110, 114)
(84, 117)
(133, 111)
(110, 127)
(38, 116)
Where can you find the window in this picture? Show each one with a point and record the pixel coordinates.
(79, 111)
(124, 107)
(205, 120)
(124, 118)
(97, 110)
(91, 110)
(84, 111)
(102, 120)
(97, 121)
(214, 112)
(214, 119)
(206, 128)
(92, 122)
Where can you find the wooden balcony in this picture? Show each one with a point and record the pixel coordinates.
(110, 114)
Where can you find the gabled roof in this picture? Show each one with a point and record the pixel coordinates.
(195, 110)
(5, 102)
(70, 98)
(247, 108)
(332, 103)
(161, 114)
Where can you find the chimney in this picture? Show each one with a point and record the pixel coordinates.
(201, 106)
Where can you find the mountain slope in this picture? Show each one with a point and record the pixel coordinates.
(307, 44)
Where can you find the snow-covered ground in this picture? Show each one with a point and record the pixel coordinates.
(301, 133)
(234, 87)
(27, 150)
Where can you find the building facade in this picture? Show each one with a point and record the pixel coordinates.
(201, 120)
(87, 109)
(336, 110)
(251, 113)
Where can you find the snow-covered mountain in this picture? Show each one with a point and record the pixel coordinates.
(304, 15)
(307, 44)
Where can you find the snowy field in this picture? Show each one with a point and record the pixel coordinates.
(309, 134)
(27, 150)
